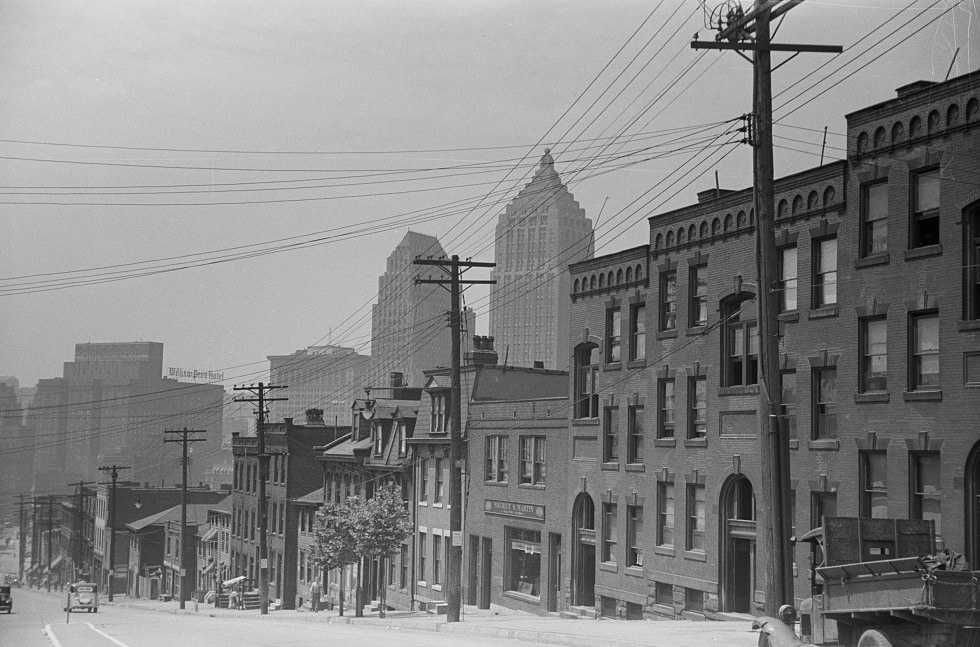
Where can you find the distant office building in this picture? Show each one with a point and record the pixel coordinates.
(112, 406)
(539, 234)
(409, 332)
(319, 377)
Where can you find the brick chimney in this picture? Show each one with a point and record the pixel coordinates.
(482, 353)
(314, 416)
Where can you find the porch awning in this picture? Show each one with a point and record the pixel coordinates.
(233, 581)
(209, 535)
(209, 567)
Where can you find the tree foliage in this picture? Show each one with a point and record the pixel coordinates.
(334, 538)
(383, 524)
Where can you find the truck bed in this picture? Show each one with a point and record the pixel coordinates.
(901, 588)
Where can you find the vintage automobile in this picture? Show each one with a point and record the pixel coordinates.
(6, 600)
(83, 595)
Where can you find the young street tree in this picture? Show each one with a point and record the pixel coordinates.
(334, 543)
(381, 528)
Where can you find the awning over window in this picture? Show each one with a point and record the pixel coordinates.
(209, 535)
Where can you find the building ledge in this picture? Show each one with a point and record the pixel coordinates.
(871, 260)
(665, 442)
(636, 467)
(585, 422)
(696, 331)
(752, 389)
(872, 396)
(695, 442)
(934, 395)
(666, 551)
(790, 316)
(637, 363)
(824, 444)
(612, 366)
(667, 334)
(696, 555)
(608, 466)
(824, 312)
(609, 567)
(923, 252)
(969, 325)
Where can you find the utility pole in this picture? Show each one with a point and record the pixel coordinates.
(737, 29)
(185, 438)
(77, 535)
(262, 399)
(114, 472)
(50, 528)
(21, 539)
(454, 581)
(35, 538)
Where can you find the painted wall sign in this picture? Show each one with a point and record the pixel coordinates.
(512, 509)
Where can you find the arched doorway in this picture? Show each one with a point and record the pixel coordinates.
(972, 490)
(583, 552)
(738, 544)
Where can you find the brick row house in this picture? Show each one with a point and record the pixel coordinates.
(879, 356)
(293, 472)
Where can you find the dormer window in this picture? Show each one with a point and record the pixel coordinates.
(378, 440)
(440, 413)
(402, 440)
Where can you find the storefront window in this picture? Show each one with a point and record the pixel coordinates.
(524, 565)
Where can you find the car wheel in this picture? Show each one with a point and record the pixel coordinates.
(874, 638)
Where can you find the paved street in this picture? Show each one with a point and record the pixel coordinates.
(143, 623)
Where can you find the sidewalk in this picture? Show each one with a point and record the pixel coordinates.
(509, 625)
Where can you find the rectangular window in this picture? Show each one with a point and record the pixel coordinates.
(874, 484)
(698, 287)
(787, 279)
(636, 431)
(668, 301)
(610, 435)
(638, 332)
(971, 297)
(926, 487)
(614, 324)
(924, 363)
(440, 413)
(532, 460)
(874, 218)
(825, 402)
(665, 514)
(693, 600)
(440, 482)
(610, 533)
(436, 559)
(403, 563)
(697, 398)
(402, 441)
(925, 209)
(496, 467)
(586, 377)
(423, 480)
(523, 562)
(664, 593)
(874, 354)
(634, 535)
(695, 517)
(825, 272)
(787, 402)
(665, 411)
(421, 573)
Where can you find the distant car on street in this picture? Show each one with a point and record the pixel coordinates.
(6, 599)
(83, 595)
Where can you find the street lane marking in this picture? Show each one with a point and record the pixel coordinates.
(99, 631)
(54, 639)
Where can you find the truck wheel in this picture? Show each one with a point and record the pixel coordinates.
(874, 638)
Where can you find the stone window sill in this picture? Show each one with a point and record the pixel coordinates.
(667, 334)
(923, 252)
(872, 396)
(791, 316)
(665, 442)
(636, 467)
(823, 312)
(752, 389)
(870, 261)
(794, 443)
(666, 551)
(585, 422)
(612, 366)
(609, 567)
(970, 325)
(696, 555)
(695, 442)
(637, 363)
(523, 597)
(825, 443)
(923, 396)
(694, 331)
(634, 571)
(610, 467)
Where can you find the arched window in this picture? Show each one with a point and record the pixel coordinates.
(592, 282)
(575, 289)
(879, 138)
(972, 110)
(932, 125)
(670, 239)
(828, 196)
(915, 127)
(740, 343)
(715, 227)
(782, 210)
(629, 274)
(619, 276)
(658, 242)
(740, 219)
(602, 281)
(798, 204)
(728, 222)
(680, 236)
(704, 229)
(812, 201)
(586, 381)
(862, 143)
(609, 279)
(952, 116)
(692, 233)
(898, 131)
(751, 216)
(639, 272)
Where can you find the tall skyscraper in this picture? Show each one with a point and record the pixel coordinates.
(408, 323)
(318, 377)
(539, 234)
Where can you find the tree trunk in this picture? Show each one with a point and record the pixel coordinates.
(358, 585)
(341, 600)
(384, 585)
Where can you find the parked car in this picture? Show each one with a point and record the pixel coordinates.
(83, 595)
(6, 600)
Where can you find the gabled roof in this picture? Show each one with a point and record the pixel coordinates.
(197, 514)
(438, 382)
(313, 498)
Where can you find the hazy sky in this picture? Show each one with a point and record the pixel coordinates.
(339, 125)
